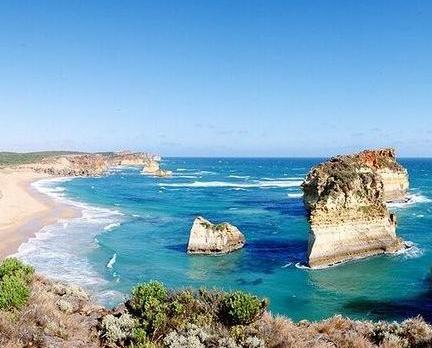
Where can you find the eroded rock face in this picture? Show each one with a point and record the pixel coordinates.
(208, 238)
(94, 164)
(346, 197)
(394, 177)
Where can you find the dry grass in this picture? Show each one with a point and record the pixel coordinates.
(62, 316)
(45, 323)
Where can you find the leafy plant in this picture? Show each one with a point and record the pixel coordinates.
(14, 292)
(149, 303)
(12, 266)
(239, 308)
(14, 280)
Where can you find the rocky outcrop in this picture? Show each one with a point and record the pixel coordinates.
(346, 197)
(208, 238)
(95, 164)
(153, 168)
(393, 176)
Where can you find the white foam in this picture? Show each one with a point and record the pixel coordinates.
(287, 265)
(415, 198)
(60, 250)
(257, 183)
(239, 176)
(283, 178)
(112, 261)
(295, 195)
(411, 252)
(187, 176)
(301, 266)
(110, 227)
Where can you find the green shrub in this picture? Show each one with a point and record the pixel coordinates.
(239, 308)
(149, 303)
(14, 267)
(14, 292)
(144, 294)
(14, 279)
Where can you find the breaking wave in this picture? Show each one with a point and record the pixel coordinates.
(414, 198)
(112, 261)
(275, 183)
(60, 250)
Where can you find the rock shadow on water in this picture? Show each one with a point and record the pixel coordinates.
(244, 282)
(258, 256)
(267, 255)
(397, 309)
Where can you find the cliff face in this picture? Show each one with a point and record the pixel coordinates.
(92, 164)
(346, 199)
(393, 176)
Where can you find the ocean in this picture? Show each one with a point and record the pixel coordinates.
(135, 228)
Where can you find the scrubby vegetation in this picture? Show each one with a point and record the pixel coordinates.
(17, 158)
(51, 314)
(15, 278)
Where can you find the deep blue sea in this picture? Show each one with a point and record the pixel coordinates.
(135, 228)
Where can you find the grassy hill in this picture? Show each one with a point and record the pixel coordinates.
(17, 158)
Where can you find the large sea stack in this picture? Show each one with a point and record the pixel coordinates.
(208, 238)
(346, 199)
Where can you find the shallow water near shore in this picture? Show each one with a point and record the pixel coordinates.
(135, 228)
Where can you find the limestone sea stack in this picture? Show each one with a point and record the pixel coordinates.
(208, 238)
(346, 197)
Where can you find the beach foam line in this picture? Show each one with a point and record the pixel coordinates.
(60, 250)
(256, 184)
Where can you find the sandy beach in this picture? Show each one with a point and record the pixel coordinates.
(24, 210)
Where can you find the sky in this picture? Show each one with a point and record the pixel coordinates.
(216, 78)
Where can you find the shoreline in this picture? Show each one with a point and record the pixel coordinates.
(24, 210)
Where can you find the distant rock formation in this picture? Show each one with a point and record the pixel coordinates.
(95, 164)
(153, 168)
(208, 238)
(346, 197)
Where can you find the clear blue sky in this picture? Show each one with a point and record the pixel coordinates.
(216, 78)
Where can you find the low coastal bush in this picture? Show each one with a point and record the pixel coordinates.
(15, 278)
(239, 308)
(184, 318)
(14, 293)
(57, 315)
(150, 306)
(14, 267)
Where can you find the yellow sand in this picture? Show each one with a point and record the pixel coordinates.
(23, 210)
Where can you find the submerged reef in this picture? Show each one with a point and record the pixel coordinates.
(346, 198)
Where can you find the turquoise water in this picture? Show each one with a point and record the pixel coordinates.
(135, 228)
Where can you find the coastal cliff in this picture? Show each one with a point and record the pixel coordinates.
(346, 197)
(89, 164)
